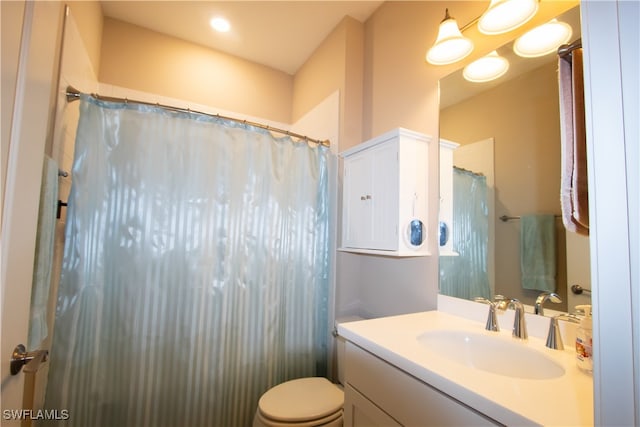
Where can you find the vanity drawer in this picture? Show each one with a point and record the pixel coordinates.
(408, 400)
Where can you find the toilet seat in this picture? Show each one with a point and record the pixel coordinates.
(328, 421)
(304, 402)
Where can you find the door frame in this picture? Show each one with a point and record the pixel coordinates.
(610, 37)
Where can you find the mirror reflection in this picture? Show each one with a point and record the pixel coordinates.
(503, 140)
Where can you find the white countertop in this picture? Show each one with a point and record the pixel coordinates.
(563, 401)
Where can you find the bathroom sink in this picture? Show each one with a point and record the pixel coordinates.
(495, 354)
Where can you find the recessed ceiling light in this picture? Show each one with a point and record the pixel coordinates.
(543, 40)
(487, 68)
(220, 24)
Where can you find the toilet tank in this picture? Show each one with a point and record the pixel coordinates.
(340, 346)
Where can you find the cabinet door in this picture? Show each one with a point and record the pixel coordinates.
(358, 189)
(384, 201)
(371, 198)
(361, 412)
(403, 398)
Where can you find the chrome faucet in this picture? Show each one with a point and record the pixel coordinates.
(544, 297)
(519, 325)
(554, 338)
(492, 320)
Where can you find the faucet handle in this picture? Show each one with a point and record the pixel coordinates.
(570, 317)
(554, 338)
(482, 300)
(492, 319)
(501, 302)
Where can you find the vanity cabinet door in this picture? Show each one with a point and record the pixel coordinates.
(361, 412)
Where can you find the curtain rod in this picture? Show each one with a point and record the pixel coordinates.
(73, 95)
(468, 171)
(566, 49)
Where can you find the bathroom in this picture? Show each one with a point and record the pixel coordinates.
(361, 62)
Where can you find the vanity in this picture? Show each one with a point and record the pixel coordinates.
(442, 368)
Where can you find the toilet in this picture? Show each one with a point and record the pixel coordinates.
(305, 402)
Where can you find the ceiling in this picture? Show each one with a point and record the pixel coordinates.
(278, 34)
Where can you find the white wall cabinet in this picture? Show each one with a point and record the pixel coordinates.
(445, 223)
(385, 195)
(379, 394)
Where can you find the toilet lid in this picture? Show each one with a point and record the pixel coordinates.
(301, 400)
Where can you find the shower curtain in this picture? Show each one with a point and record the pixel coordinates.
(195, 272)
(466, 275)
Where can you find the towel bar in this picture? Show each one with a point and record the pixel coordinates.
(505, 218)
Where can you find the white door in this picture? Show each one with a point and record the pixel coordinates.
(31, 34)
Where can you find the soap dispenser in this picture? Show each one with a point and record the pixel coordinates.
(584, 340)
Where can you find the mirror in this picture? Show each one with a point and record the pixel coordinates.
(508, 158)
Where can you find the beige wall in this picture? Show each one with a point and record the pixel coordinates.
(522, 115)
(144, 60)
(400, 87)
(337, 64)
(88, 17)
(12, 18)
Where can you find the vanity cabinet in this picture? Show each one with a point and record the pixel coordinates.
(379, 394)
(445, 223)
(385, 192)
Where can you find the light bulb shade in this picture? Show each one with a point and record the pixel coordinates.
(506, 15)
(487, 68)
(450, 46)
(543, 40)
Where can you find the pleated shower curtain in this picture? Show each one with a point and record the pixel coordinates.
(195, 272)
(466, 275)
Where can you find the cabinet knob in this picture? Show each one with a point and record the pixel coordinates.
(367, 197)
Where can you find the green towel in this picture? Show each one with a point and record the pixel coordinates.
(538, 252)
(44, 254)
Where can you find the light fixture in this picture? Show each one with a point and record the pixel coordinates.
(487, 68)
(543, 40)
(220, 24)
(506, 15)
(450, 46)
